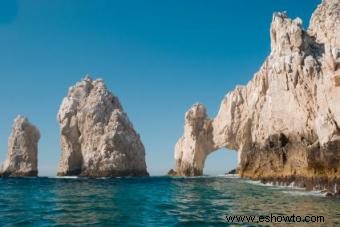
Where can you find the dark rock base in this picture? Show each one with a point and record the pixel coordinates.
(19, 174)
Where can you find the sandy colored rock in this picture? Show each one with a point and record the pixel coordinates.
(22, 154)
(97, 138)
(285, 121)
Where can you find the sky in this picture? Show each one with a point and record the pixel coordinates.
(158, 57)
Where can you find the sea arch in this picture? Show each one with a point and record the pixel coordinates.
(203, 136)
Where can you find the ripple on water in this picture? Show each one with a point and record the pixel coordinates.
(151, 201)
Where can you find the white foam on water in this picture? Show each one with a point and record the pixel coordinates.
(198, 177)
(276, 185)
(305, 193)
(259, 183)
(292, 189)
(232, 176)
(65, 177)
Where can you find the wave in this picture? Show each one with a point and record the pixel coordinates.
(292, 189)
(305, 193)
(259, 183)
(276, 185)
(233, 176)
(65, 177)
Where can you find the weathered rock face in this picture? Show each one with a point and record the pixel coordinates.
(97, 138)
(196, 143)
(285, 122)
(22, 155)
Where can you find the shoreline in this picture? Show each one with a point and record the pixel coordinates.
(330, 187)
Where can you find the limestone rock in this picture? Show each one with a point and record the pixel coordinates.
(22, 155)
(97, 138)
(285, 121)
(195, 145)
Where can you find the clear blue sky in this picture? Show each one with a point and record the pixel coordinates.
(159, 57)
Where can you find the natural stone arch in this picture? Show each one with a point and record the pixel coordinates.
(198, 142)
(285, 121)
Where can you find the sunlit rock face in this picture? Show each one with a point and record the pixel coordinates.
(285, 122)
(22, 154)
(196, 143)
(97, 138)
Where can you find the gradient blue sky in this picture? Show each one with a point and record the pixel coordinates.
(159, 57)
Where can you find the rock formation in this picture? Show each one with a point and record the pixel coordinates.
(22, 153)
(97, 138)
(285, 123)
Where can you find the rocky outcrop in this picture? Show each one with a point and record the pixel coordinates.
(97, 138)
(22, 155)
(285, 123)
(196, 143)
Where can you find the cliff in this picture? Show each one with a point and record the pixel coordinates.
(22, 154)
(97, 138)
(284, 123)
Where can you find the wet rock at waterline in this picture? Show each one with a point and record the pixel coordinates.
(97, 138)
(22, 154)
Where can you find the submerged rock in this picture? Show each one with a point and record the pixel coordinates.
(22, 155)
(234, 171)
(286, 121)
(97, 138)
(172, 173)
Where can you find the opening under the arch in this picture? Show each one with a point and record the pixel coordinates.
(220, 162)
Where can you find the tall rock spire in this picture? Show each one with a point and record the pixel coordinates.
(97, 138)
(22, 154)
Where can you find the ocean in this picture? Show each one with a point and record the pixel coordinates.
(155, 201)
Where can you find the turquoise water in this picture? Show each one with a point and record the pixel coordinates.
(154, 201)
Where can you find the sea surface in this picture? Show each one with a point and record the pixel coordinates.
(154, 201)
